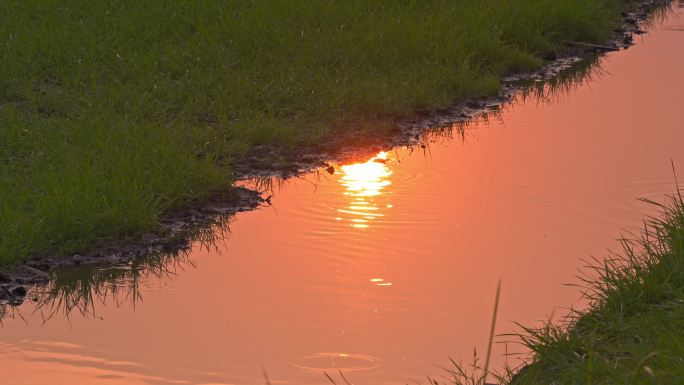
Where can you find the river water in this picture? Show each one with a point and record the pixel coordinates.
(389, 266)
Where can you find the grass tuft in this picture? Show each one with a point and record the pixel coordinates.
(632, 331)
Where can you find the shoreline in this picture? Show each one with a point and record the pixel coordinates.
(175, 232)
(629, 330)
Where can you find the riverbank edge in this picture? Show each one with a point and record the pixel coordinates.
(632, 330)
(174, 233)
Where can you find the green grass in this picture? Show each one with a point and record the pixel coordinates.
(114, 113)
(633, 332)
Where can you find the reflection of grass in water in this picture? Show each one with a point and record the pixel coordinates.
(549, 91)
(82, 289)
(554, 90)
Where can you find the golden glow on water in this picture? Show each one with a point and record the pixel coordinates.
(365, 183)
(380, 282)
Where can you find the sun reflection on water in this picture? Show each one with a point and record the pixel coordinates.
(364, 184)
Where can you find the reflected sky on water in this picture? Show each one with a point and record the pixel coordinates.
(389, 265)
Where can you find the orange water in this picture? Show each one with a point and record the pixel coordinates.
(389, 266)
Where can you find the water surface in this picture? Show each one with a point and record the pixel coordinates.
(388, 266)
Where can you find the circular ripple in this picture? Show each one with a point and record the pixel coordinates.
(336, 361)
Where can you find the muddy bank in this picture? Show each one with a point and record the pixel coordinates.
(178, 230)
(175, 234)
